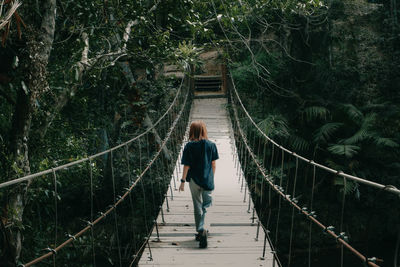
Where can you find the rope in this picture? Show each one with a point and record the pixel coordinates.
(115, 210)
(310, 227)
(130, 195)
(292, 223)
(341, 220)
(279, 190)
(91, 212)
(56, 215)
(390, 189)
(38, 174)
(123, 197)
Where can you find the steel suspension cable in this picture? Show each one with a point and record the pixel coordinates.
(39, 174)
(391, 189)
(280, 191)
(311, 210)
(56, 215)
(124, 196)
(292, 223)
(341, 221)
(115, 210)
(130, 195)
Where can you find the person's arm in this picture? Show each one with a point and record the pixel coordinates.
(213, 166)
(184, 174)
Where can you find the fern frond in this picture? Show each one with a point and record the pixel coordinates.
(386, 142)
(354, 113)
(316, 112)
(330, 163)
(358, 137)
(274, 125)
(298, 143)
(325, 132)
(344, 150)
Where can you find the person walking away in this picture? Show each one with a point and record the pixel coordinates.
(199, 156)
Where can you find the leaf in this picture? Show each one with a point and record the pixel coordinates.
(325, 132)
(364, 132)
(344, 150)
(354, 113)
(387, 142)
(358, 137)
(316, 112)
(274, 125)
(298, 143)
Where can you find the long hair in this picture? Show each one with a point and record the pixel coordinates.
(198, 131)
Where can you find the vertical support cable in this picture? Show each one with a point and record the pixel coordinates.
(115, 209)
(130, 195)
(311, 208)
(292, 223)
(56, 215)
(91, 210)
(341, 220)
(150, 174)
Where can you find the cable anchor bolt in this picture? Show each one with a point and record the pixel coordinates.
(312, 214)
(53, 251)
(343, 236)
(71, 236)
(329, 228)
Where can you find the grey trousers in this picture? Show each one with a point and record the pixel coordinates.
(201, 201)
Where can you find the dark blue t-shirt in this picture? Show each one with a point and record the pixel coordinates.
(198, 155)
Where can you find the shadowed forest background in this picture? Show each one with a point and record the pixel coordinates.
(79, 77)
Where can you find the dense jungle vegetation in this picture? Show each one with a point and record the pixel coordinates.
(321, 77)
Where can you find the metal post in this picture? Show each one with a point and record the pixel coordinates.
(273, 258)
(258, 230)
(265, 244)
(151, 254)
(172, 194)
(162, 215)
(245, 194)
(248, 209)
(158, 234)
(173, 178)
(252, 217)
(166, 202)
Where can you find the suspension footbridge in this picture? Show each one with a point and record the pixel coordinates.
(232, 223)
(267, 203)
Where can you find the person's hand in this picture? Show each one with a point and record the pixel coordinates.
(182, 187)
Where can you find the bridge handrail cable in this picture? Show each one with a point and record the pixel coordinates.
(292, 202)
(38, 174)
(127, 192)
(388, 188)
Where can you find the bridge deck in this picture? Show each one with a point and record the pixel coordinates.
(232, 233)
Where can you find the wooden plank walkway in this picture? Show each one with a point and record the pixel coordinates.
(232, 235)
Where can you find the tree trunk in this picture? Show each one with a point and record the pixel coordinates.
(39, 45)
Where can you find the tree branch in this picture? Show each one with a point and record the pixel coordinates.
(84, 65)
(6, 19)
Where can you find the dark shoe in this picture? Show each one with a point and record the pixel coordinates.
(203, 239)
(198, 235)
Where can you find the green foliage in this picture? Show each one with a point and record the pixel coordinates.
(316, 112)
(326, 132)
(274, 126)
(344, 150)
(327, 92)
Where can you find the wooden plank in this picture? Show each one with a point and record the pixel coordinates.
(232, 230)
